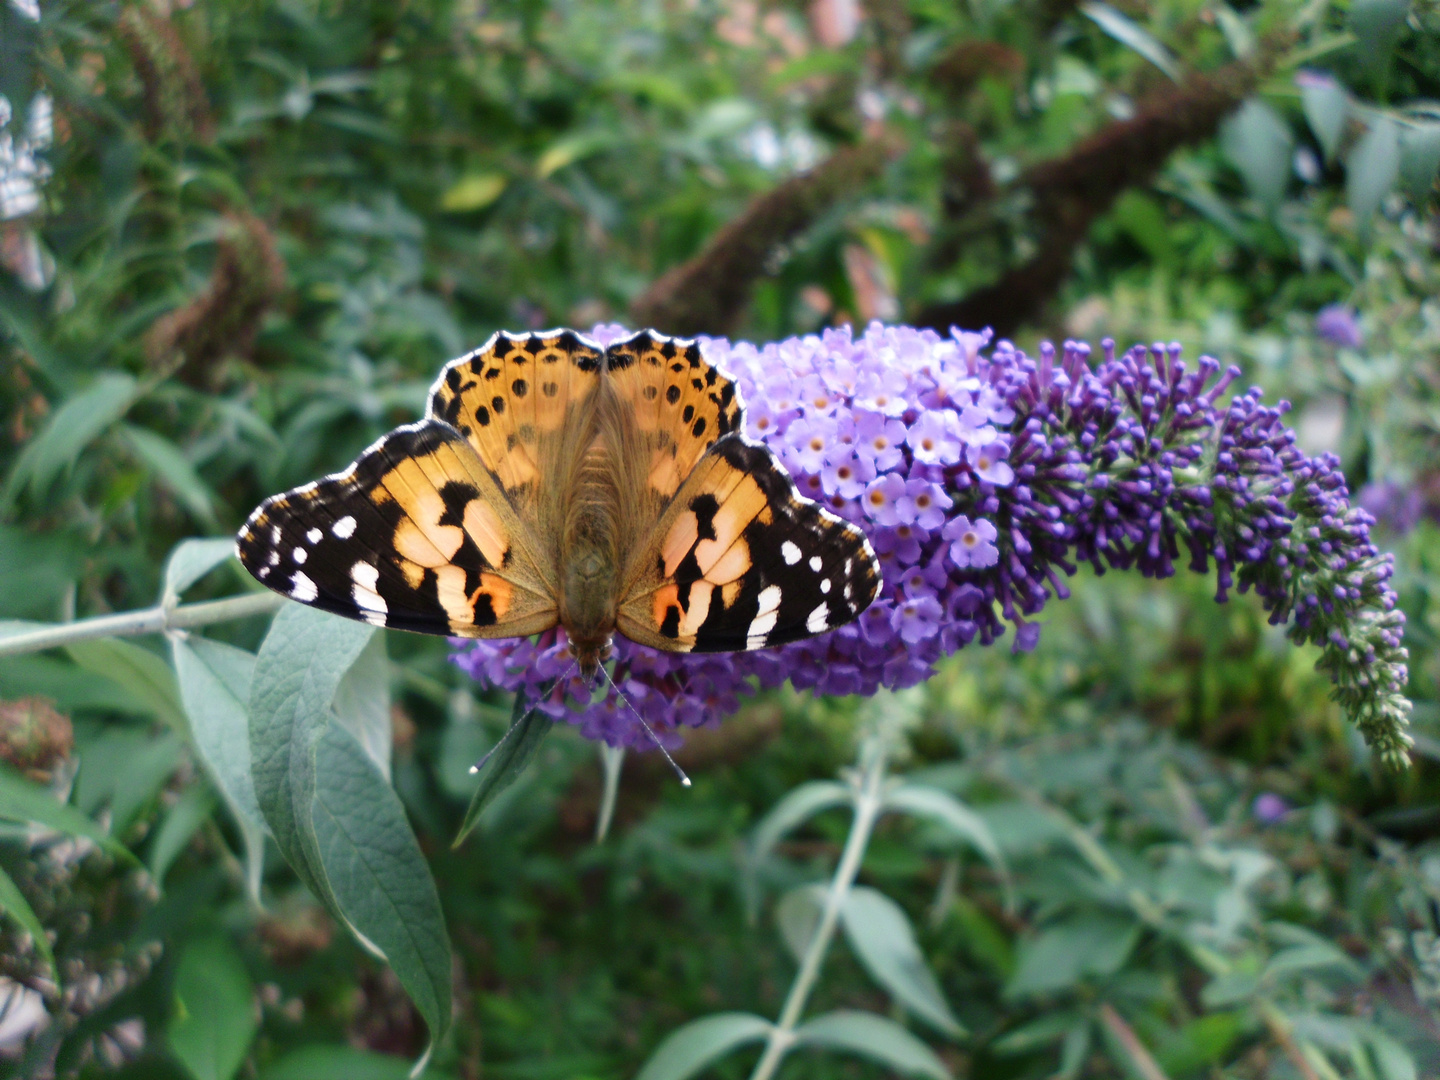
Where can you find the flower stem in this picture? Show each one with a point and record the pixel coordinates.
(149, 621)
(868, 801)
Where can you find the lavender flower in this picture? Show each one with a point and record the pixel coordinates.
(983, 480)
(1269, 808)
(1336, 323)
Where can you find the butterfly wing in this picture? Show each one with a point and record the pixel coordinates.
(739, 560)
(515, 399)
(679, 404)
(416, 534)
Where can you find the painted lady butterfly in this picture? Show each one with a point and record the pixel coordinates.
(556, 481)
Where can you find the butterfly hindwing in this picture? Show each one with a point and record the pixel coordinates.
(740, 561)
(512, 397)
(416, 534)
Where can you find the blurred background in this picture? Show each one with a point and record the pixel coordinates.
(237, 240)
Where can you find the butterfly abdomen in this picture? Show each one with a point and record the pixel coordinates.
(590, 556)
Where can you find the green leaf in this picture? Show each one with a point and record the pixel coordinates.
(362, 703)
(190, 561)
(880, 933)
(22, 800)
(14, 904)
(195, 805)
(1257, 141)
(1371, 169)
(572, 148)
(214, 1019)
(1132, 36)
(143, 673)
(875, 1037)
(215, 686)
(379, 879)
(1038, 1033)
(341, 1063)
(506, 760)
(1419, 160)
(174, 470)
(124, 767)
(797, 914)
(690, 1048)
(69, 430)
(951, 814)
(1393, 1060)
(1064, 953)
(472, 193)
(1376, 25)
(797, 807)
(1327, 106)
(299, 667)
(1300, 959)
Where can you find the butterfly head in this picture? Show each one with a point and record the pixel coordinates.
(589, 655)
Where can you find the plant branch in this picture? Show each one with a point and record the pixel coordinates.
(154, 620)
(708, 293)
(868, 801)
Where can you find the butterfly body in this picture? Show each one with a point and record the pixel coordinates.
(555, 481)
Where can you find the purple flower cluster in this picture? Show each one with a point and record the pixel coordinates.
(983, 477)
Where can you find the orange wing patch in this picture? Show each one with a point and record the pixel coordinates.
(513, 392)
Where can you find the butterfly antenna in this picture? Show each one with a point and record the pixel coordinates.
(526, 716)
(684, 780)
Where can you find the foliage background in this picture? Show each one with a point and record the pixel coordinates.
(265, 225)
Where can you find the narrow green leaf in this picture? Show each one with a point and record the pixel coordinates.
(507, 759)
(362, 703)
(140, 671)
(69, 430)
(875, 1037)
(1064, 953)
(215, 686)
(951, 814)
(797, 807)
(472, 193)
(1371, 169)
(1257, 141)
(376, 873)
(174, 470)
(195, 805)
(1327, 106)
(1302, 959)
(1392, 1058)
(298, 669)
(22, 800)
(124, 767)
(1419, 160)
(1037, 1033)
(341, 1063)
(690, 1048)
(190, 561)
(797, 915)
(880, 933)
(1132, 36)
(14, 904)
(214, 1018)
(1376, 25)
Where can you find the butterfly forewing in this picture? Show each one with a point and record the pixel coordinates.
(740, 561)
(513, 397)
(416, 534)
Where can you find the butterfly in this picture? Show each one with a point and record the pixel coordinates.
(557, 481)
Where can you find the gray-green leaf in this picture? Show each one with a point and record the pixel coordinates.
(1258, 143)
(71, 428)
(1372, 168)
(875, 1037)
(1327, 107)
(506, 760)
(143, 673)
(690, 1048)
(1132, 35)
(797, 807)
(215, 686)
(214, 1017)
(190, 561)
(880, 933)
(14, 904)
(1419, 160)
(1376, 25)
(22, 800)
(174, 470)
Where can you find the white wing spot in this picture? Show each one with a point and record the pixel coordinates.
(313, 535)
(275, 534)
(825, 585)
(274, 557)
(815, 563)
(302, 588)
(819, 619)
(365, 576)
(264, 573)
(344, 528)
(769, 611)
(790, 552)
(299, 555)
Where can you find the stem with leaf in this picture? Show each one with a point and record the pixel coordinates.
(869, 799)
